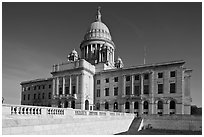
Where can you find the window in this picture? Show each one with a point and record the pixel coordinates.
(73, 89)
(49, 95)
(97, 106)
(115, 79)
(115, 105)
(127, 78)
(160, 105)
(43, 86)
(128, 90)
(172, 104)
(115, 91)
(107, 80)
(127, 105)
(136, 105)
(50, 86)
(146, 76)
(28, 88)
(106, 105)
(39, 87)
(160, 88)
(98, 82)
(28, 96)
(24, 96)
(137, 90)
(34, 87)
(146, 89)
(172, 73)
(39, 96)
(66, 90)
(146, 105)
(137, 77)
(60, 91)
(34, 96)
(160, 75)
(172, 87)
(106, 91)
(98, 93)
(43, 95)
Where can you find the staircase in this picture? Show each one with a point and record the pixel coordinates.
(135, 124)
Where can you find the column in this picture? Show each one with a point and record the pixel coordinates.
(124, 85)
(77, 84)
(99, 54)
(132, 84)
(132, 107)
(113, 55)
(53, 86)
(57, 86)
(70, 85)
(63, 85)
(141, 84)
(141, 108)
(84, 52)
(151, 89)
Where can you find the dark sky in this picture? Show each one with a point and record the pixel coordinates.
(38, 35)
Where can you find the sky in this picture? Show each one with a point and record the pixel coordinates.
(37, 35)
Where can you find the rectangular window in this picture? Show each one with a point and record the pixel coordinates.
(34, 96)
(43, 86)
(43, 95)
(98, 82)
(107, 80)
(106, 91)
(39, 96)
(39, 87)
(137, 90)
(173, 74)
(66, 90)
(98, 93)
(172, 87)
(127, 92)
(24, 96)
(146, 89)
(34, 87)
(160, 75)
(49, 95)
(146, 76)
(28, 88)
(115, 79)
(28, 96)
(74, 89)
(137, 77)
(127, 78)
(115, 91)
(49, 86)
(160, 88)
(60, 90)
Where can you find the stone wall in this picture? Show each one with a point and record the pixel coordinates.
(19, 119)
(174, 122)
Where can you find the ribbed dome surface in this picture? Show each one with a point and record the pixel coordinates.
(98, 26)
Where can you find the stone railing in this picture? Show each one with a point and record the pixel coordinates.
(24, 110)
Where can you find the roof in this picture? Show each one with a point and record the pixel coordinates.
(35, 80)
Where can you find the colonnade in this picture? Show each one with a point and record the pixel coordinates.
(99, 52)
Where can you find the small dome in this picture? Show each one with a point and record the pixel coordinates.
(74, 52)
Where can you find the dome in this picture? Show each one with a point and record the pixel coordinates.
(74, 52)
(98, 26)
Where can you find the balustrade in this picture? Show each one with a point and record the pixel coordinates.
(25, 110)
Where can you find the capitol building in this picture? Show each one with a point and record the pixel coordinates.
(96, 80)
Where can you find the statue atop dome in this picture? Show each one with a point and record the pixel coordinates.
(98, 15)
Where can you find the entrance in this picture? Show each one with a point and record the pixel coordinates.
(86, 105)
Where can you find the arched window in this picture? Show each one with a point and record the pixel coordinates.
(86, 105)
(98, 106)
(172, 104)
(145, 105)
(136, 105)
(127, 105)
(115, 105)
(106, 105)
(160, 105)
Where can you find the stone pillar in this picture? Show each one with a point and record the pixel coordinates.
(123, 107)
(53, 86)
(70, 85)
(124, 85)
(57, 86)
(132, 84)
(69, 104)
(132, 107)
(142, 84)
(77, 84)
(99, 54)
(63, 85)
(140, 108)
(113, 55)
